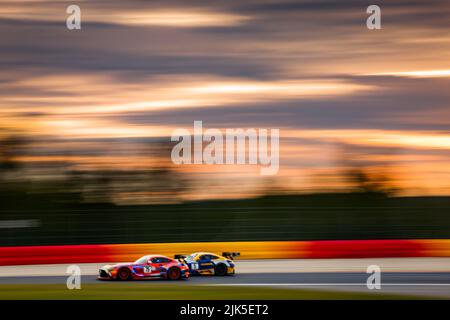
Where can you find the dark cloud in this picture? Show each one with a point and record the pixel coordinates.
(396, 104)
(282, 40)
(248, 50)
(83, 60)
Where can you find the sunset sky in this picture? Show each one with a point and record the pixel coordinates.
(341, 95)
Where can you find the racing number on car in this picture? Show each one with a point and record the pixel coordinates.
(194, 266)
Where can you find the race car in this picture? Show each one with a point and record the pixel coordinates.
(146, 267)
(205, 263)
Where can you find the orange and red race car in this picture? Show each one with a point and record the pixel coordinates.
(146, 267)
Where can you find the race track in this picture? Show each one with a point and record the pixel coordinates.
(418, 277)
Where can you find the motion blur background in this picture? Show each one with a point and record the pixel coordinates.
(86, 118)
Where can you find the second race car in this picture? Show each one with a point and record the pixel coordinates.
(205, 263)
(146, 267)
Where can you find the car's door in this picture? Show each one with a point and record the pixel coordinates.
(205, 264)
(161, 262)
(150, 268)
(155, 264)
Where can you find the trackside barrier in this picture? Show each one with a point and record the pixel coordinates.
(249, 250)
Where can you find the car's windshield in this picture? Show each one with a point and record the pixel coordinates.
(141, 260)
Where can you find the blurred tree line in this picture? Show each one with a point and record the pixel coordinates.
(80, 208)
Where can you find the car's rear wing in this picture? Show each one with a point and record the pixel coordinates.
(180, 257)
(231, 255)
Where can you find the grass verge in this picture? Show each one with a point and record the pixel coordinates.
(132, 291)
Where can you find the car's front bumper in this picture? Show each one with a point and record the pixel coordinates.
(105, 274)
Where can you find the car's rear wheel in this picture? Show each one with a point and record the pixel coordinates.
(221, 270)
(124, 274)
(174, 273)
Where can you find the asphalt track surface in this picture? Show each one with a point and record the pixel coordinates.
(427, 284)
(411, 284)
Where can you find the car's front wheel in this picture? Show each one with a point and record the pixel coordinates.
(124, 274)
(174, 273)
(221, 270)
